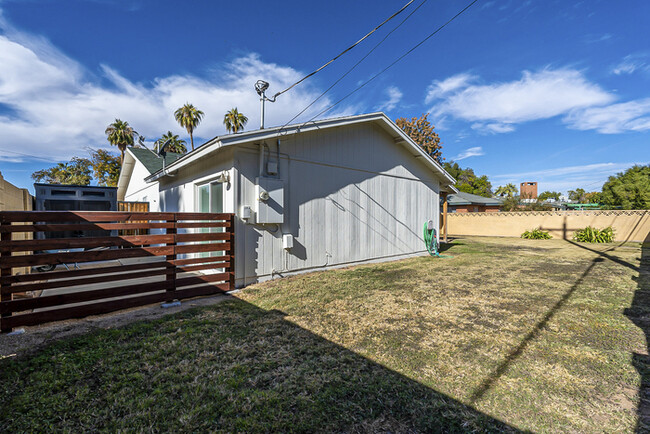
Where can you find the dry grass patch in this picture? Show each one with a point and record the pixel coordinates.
(531, 332)
(509, 334)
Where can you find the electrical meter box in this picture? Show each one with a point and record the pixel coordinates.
(269, 203)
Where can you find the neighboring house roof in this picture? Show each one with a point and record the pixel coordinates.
(150, 160)
(462, 198)
(399, 136)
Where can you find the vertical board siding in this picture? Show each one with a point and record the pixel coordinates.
(351, 194)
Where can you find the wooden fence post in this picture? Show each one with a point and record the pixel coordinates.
(5, 288)
(171, 267)
(231, 252)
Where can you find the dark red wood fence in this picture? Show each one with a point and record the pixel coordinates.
(163, 263)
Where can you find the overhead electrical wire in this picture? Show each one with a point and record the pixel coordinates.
(392, 64)
(344, 51)
(355, 65)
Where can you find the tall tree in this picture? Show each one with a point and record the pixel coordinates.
(234, 121)
(629, 189)
(106, 167)
(189, 117)
(577, 195)
(422, 133)
(75, 172)
(467, 181)
(506, 190)
(175, 143)
(549, 195)
(120, 134)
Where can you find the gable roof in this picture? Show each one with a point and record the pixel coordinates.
(462, 198)
(150, 160)
(399, 136)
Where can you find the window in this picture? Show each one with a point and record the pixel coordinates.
(210, 199)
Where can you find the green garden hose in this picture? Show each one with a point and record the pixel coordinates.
(431, 242)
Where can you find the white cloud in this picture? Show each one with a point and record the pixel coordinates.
(440, 89)
(631, 64)
(612, 119)
(56, 108)
(493, 128)
(394, 97)
(471, 152)
(591, 177)
(537, 95)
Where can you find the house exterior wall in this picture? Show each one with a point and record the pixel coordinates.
(178, 192)
(139, 191)
(351, 195)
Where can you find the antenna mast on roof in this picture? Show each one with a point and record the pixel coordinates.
(260, 87)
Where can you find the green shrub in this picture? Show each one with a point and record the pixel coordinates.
(536, 234)
(593, 235)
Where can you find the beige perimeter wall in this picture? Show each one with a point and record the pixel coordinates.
(13, 198)
(633, 225)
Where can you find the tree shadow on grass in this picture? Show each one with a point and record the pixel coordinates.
(228, 367)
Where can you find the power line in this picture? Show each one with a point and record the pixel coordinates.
(354, 66)
(344, 51)
(392, 64)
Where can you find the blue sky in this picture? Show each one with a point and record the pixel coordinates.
(551, 91)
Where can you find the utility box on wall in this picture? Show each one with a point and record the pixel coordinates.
(269, 202)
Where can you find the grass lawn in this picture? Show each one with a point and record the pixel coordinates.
(507, 334)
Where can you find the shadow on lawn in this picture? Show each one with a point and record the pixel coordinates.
(639, 314)
(230, 367)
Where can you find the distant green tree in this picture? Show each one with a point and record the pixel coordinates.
(175, 143)
(106, 167)
(577, 195)
(546, 195)
(422, 133)
(593, 197)
(234, 121)
(467, 181)
(506, 190)
(629, 189)
(122, 135)
(511, 203)
(189, 117)
(75, 172)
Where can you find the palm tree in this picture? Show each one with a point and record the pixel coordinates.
(120, 134)
(175, 144)
(507, 190)
(234, 121)
(189, 117)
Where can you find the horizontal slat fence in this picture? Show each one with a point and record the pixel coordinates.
(108, 273)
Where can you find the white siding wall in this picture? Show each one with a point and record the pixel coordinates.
(139, 191)
(351, 195)
(178, 192)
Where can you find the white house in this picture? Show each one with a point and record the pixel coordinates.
(329, 193)
(139, 163)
